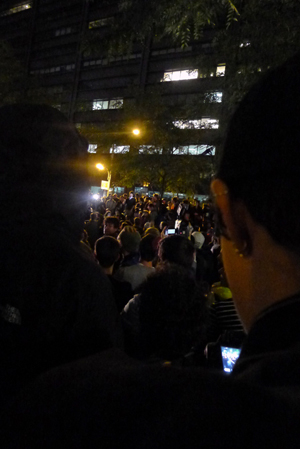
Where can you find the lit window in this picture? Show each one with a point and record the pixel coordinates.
(181, 150)
(149, 149)
(245, 44)
(63, 31)
(179, 75)
(92, 148)
(221, 70)
(204, 150)
(100, 104)
(213, 97)
(99, 23)
(204, 123)
(196, 150)
(18, 8)
(114, 103)
(119, 149)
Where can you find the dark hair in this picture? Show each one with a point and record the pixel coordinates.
(137, 221)
(261, 158)
(172, 313)
(94, 216)
(43, 156)
(148, 247)
(107, 250)
(112, 220)
(177, 249)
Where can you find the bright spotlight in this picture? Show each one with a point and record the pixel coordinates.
(136, 132)
(96, 196)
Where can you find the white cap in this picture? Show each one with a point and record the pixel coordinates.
(199, 239)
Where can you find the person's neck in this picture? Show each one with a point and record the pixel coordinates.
(272, 276)
(146, 264)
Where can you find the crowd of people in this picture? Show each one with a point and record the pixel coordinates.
(169, 253)
(112, 326)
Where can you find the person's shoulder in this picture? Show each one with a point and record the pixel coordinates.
(169, 407)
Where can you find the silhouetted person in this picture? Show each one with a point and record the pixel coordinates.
(56, 304)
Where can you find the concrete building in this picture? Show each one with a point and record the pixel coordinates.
(99, 93)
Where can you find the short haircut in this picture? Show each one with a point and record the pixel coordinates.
(148, 247)
(172, 313)
(177, 249)
(137, 221)
(112, 220)
(261, 158)
(107, 251)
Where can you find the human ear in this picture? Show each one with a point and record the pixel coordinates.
(234, 217)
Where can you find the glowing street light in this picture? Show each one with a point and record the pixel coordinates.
(101, 167)
(136, 131)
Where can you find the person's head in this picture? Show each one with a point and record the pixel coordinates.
(137, 221)
(176, 249)
(162, 225)
(43, 160)
(197, 238)
(129, 239)
(94, 216)
(256, 194)
(148, 247)
(107, 251)
(131, 194)
(111, 226)
(125, 223)
(172, 313)
(153, 231)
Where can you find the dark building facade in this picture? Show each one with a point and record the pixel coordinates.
(52, 38)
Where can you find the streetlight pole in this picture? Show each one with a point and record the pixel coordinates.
(108, 181)
(136, 132)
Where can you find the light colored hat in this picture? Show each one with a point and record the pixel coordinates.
(199, 239)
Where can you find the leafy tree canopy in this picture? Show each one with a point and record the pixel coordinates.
(179, 20)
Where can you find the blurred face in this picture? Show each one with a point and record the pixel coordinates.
(109, 229)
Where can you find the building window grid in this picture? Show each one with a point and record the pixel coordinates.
(119, 149)
(18, 8)
(187, 74)
(102, 104)
(50, 70)
(165, 51)
(180, 75)
(92, 148)
(63, 31)
(196, 150)
(106, 61)
(191, 150)
(203, 123)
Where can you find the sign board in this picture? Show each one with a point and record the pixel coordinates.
(104, 185)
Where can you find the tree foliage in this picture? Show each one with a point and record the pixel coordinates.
(162, 164)
(181, 21)
(264, 36)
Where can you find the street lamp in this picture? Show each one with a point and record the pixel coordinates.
(136, 131)
(101, 167)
